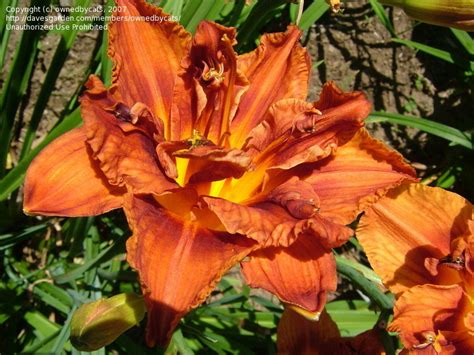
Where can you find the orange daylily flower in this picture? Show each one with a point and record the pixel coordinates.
(298, 335)
(420, 240)
(216, 157)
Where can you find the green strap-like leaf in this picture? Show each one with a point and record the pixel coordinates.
(112, 250)
(438, 129)
(465, 39)
(313, 13)
(382, 15)
(450, 57)
(16, 83)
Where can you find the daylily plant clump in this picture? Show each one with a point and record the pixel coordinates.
(216, 159)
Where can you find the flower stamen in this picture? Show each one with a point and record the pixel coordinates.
(212, 74)
(431, 339)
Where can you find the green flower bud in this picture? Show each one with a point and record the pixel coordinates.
(449, 13)
(99, 323)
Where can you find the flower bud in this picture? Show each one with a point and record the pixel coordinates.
(450, 13)
(99, 323)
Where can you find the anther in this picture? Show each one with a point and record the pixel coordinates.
(430, 339)
(213, 74)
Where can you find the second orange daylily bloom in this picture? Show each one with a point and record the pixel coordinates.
(216, 157)
(420, 240)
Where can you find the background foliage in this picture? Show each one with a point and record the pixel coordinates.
(50, 266)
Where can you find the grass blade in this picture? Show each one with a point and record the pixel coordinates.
(16, 83)
(196, 11)
(382, 15)
(10, 239)
(105, 61)
(448, 177)
(438, 129)
(78, 272)
(3, 15)
(76, 231)
(5, 32)
(465, 39)
(174, 7)
(261, 13)
(53, 296)
(189, 10)
(236, 12)
(45, 330)
(313, 13)
(63, 336)
(435, 52)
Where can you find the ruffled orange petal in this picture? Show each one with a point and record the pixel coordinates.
(279, 217)
(266, 223)
(297, 196)
(298, 335)
(64, 180)
(214, 164)
(430, 317)
(315, 136)
(359, 172)
(295, 116)
(469, 255)
(295, 132)
(209, 87)
(409, 227)
(207, 162)
(179, 263)
(300, 274)
(146, 55)
(279, 121)
(278, 69)
(125, 151)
